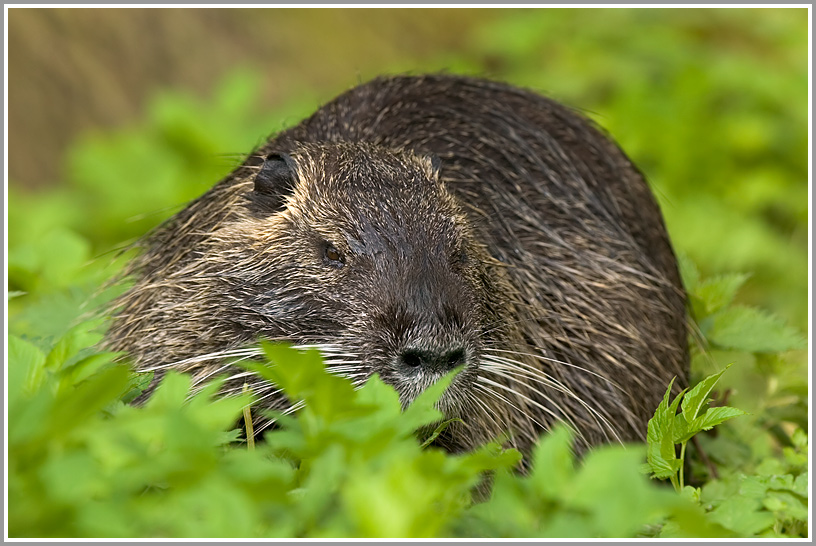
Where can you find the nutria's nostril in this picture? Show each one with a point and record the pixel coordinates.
(437, 361)
(412, 359)
(455, 357)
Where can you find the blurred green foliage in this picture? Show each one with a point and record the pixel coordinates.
(85, 464)
(712, 106)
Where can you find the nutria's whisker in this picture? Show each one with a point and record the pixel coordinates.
(490, 392)
(545, 409)
(500, 366)
(563, 417)
(500, 425)
(219, 355)
(538, 375)
(554, 360)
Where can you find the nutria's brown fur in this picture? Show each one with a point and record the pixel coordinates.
(415, 224)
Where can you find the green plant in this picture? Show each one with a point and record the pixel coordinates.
(711, 104)
(668, 428)
(757, 493)
(83, 463)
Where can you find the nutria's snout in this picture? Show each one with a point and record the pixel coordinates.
(428, 325)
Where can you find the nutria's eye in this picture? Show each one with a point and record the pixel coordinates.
(332, 256)
(458, 257)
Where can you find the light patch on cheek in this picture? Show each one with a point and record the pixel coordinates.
(253, 233)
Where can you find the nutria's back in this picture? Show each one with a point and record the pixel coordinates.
(415, 224)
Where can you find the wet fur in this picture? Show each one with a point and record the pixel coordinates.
(470, 214)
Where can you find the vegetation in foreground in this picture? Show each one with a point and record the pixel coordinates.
(731, 162)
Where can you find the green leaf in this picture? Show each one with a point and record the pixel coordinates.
(171, 392)
(90, 396)
(749, 329)
(605, 474)
(26, 367)
(138, 383)
(376, 394)
(691, 493)
(786, 504)
(660, 453)
(553, 463)
(698, 396)
(718, 292)
(303, 376)
(438, 430)
(422, 411)
(489, 457)
(742, 515)
(688, 272)
(684, 431)
(715, 416)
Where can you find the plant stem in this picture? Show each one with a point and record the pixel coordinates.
(682, 463)
(250, 432)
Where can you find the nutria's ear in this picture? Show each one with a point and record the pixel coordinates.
(274, 181)
(432, 165)
(436, 164)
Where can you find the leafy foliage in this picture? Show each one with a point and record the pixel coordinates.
(562, 499)
(719, 129)
(667, 428)
(348, 464)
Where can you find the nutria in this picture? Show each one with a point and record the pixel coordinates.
(417, 224)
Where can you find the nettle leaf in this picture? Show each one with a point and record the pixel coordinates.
(752, 330)
(553, 463)
(302, 375)
(492, 456)
(374, 419)
(214, 412)
(171, 393)
(786, 504)
(379, 395)
(698, 396)
(77, 405)
(606, 474)
(321, 477)
(717, 292)
(716, 416)
(138, 383)
(29, 400)
(662, 459)
(660, 453)
(74, 345)
(422, 411)
(663, 414)
(683, 431)
(688, 272)
(743, 515)
(26, 367)
(85, 367)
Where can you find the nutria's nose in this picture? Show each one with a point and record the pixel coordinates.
(433, 361)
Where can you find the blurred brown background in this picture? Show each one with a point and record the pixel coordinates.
(71, 70)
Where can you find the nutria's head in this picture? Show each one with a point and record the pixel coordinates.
(356, 249)
(362, 249)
